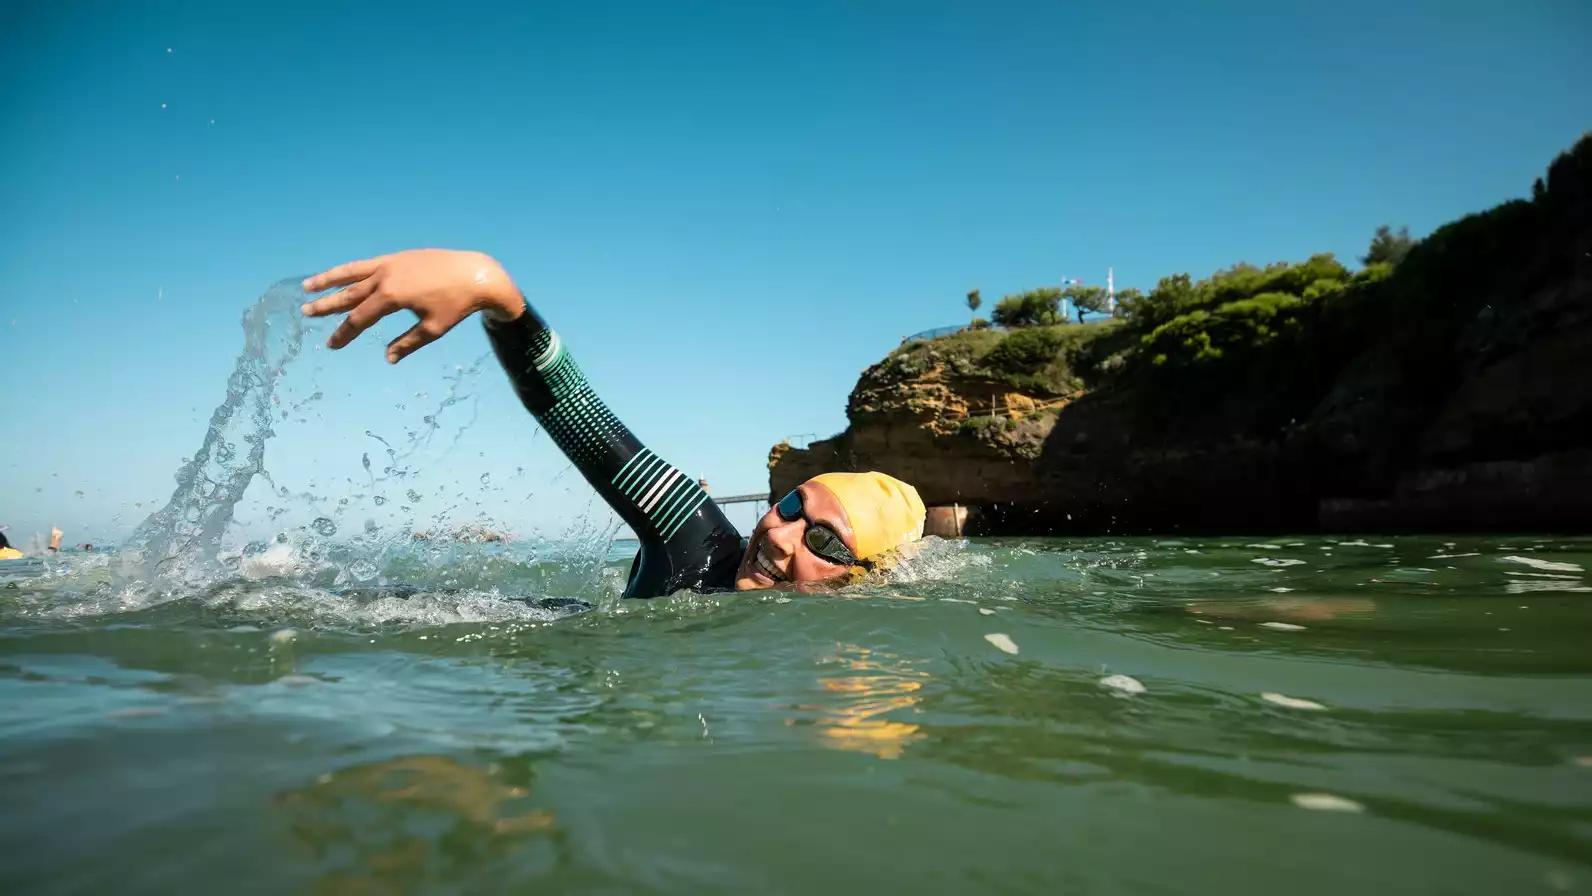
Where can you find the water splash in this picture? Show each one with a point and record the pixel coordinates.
(187, 532)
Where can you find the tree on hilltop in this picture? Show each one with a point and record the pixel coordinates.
(1388, 247)
(1128, 299)
(1086, 299)
(1029, 309)
(973, 301)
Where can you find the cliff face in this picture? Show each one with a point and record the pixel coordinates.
(958, 437)
(1457, 394)
(1507, 445)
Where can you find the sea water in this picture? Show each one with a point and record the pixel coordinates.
(347, 708)
(1401, 714)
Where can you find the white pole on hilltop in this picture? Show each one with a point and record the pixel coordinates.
(1111, 291)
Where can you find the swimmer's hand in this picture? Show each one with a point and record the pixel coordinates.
(441, 286)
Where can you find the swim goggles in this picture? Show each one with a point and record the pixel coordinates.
(819, 538)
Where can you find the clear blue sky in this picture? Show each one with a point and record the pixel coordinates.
(688, 191)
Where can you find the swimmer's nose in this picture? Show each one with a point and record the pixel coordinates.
(782, 540)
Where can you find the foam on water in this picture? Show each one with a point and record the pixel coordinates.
(932, 559)
(302, 583)
(1124, 685)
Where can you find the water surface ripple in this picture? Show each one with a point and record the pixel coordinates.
(1393, 714)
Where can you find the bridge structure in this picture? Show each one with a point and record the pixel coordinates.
(758, 498)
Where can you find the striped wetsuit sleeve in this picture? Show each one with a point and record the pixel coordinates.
(686, 542)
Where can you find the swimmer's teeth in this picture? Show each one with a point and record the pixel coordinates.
(766, 566)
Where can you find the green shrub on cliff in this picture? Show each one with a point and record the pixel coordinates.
(1171, 296)
(1025, 351)
(975, 424)
(1322, 288)
(1052, 360)
(1036, 307)
(1316, 277)
(959, 352)
(1045, 360)
(1204, 336)
(1371, 273)
(1245, 281)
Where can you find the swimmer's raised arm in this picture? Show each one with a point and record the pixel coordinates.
(686, 542)
(441, 286)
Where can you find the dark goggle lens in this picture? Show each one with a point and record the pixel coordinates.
(823, 541)
(790, 507)
(820, 539)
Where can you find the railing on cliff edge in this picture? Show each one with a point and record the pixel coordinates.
(937, 332)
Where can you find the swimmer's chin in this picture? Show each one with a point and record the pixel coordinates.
(747, 576)
(750, 578)
(755, 580)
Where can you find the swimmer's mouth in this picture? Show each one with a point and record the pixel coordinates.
(762, 564)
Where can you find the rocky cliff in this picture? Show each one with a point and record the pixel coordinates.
(1454, 394)
(924, 417)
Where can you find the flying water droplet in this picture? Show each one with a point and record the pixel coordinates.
(324, 527)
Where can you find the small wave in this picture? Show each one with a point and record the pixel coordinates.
(933, 559)
(311, 582)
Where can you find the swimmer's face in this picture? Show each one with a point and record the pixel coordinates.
(778, 555)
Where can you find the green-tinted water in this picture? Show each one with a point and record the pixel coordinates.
(1317, 715)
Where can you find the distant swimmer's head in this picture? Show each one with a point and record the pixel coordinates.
(828, 527)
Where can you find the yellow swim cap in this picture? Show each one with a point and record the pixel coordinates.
(884, 512)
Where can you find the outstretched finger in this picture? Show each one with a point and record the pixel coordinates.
(413, 339)
(343, 274)
(359, 320)
(340, 301)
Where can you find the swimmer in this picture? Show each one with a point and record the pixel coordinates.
(826, 530)
(7, 552)
(55, 540)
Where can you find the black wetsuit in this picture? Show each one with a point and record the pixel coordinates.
(686, 542)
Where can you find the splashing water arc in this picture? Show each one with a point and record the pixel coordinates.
(187, 532)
